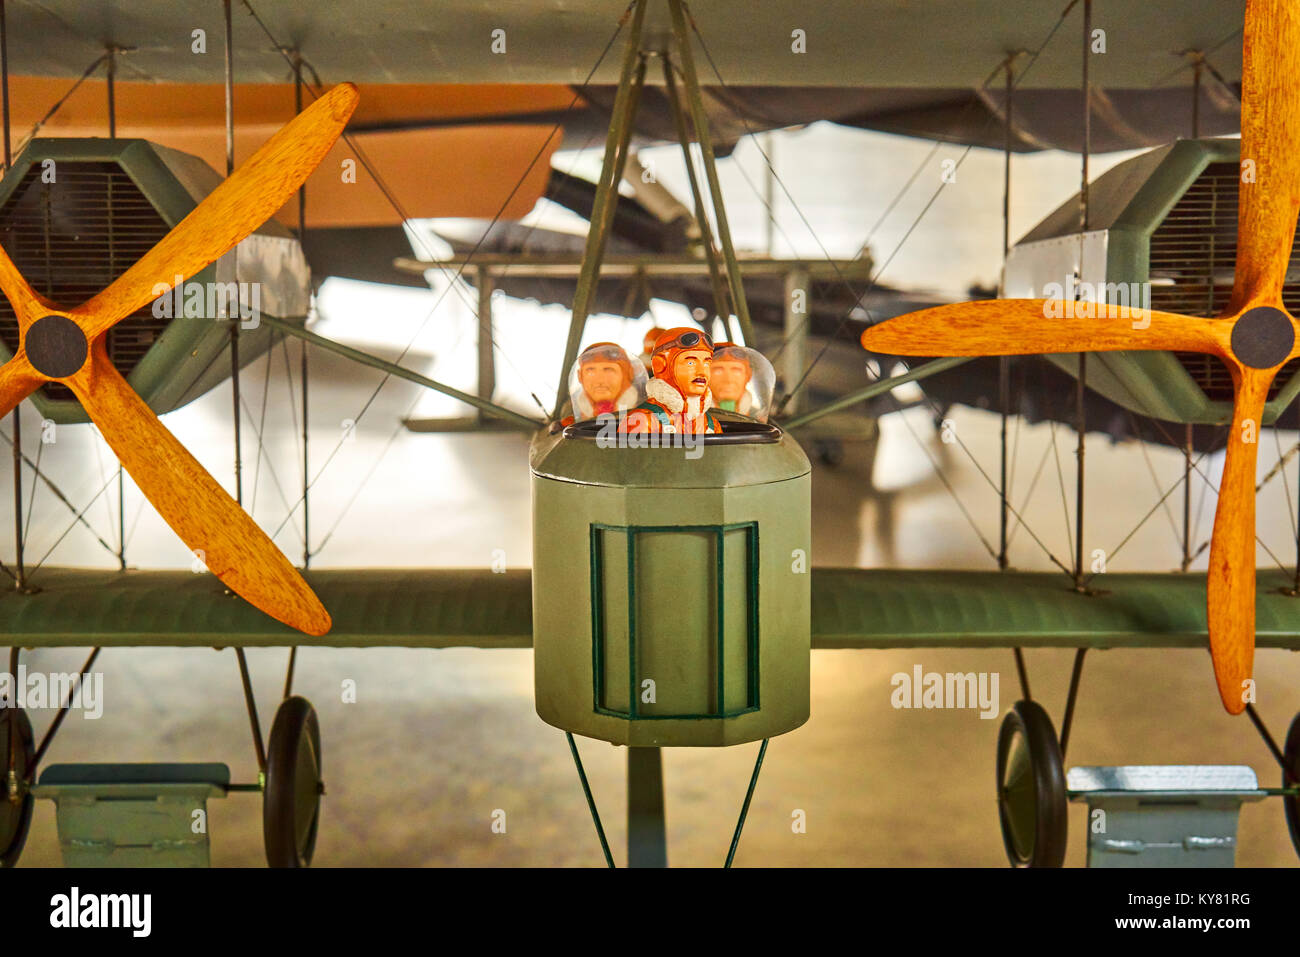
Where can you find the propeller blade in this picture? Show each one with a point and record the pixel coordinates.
(18, 380)
(1230, 592)
(1012, 327)
(1270, 129)
(29, 305)
(191, 501)
(246, 200)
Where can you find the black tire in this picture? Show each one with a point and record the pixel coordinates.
(15, 816)
(1031, 788)
(291, 804)
(1291, 753)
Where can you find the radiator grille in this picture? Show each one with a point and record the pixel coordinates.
(1192, 256)
(71, 238)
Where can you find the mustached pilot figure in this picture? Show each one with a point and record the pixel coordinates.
(605, 379)
(677, 397)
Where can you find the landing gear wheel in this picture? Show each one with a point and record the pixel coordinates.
(1031, 788)
(1291, 754)
(291, 804)
(15, 815)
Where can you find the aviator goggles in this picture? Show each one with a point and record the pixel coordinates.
(687, 340)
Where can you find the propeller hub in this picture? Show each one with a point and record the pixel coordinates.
(56, 346)
(1263, 337)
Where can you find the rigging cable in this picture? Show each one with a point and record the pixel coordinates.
(399, 209)
(876, 277)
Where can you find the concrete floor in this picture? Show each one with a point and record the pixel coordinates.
(437, 741)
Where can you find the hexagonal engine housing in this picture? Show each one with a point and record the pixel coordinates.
(76, 213)
(1168, 218)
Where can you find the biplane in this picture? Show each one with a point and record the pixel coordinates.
(692, 575)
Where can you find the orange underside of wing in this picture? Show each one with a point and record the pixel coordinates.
(451, 172)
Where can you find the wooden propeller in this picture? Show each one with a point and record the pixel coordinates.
(1254, 337)
(69, 346)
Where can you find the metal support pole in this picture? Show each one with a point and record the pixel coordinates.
(251, 705)
(1081, 390)
(796, 335)
(393, 369)
(620, 168)
(1075, 674)
(230, 90)
(11, 780)
(63, 712)
(234, 320)
(121, 519)
(1198, 64)
(4, 83)
(110, 72)
(744, 809)
(110, 75)
(234, 394)
(879, 387)
(487, 376)
(302, 239)
(1188, 433)
(306, 475)
(1296, 587)
(1004, 362)
(591, 802)
(17, 410)
(701, 213)
(769, 192)
(234, 379)
(1288, 776)
(288, 672)
(1023, 672)
(647, 838)
(306, 511)
(19, 574)
(606, 196)
(700, 121)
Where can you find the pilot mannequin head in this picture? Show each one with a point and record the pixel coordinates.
(731, 374)
(604, 373)
(682, 358)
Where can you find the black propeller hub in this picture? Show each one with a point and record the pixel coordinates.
(1263, 337)
(56, 346)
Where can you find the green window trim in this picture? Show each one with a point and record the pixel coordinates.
(597, 569)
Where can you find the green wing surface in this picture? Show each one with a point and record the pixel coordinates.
(903, 608)
(450, 607)
(395, 607)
